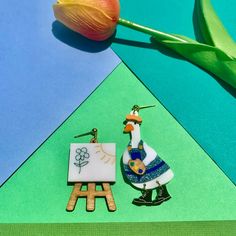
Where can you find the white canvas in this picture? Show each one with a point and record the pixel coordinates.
(92, 162)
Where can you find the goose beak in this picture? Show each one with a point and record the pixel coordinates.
(128, 128)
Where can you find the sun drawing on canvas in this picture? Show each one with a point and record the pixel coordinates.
(105, 155)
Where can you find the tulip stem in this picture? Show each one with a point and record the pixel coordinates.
(152, 32)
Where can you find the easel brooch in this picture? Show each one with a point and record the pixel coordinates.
(92, 163)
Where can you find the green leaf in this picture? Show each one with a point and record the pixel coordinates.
(189, 49)
(212, 29)
(211, 59)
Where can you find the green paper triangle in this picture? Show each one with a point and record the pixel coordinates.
(38, 191)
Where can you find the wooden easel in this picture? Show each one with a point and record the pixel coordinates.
(91, 193)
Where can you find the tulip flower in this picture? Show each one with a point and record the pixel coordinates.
(94, 19)
(97, 20)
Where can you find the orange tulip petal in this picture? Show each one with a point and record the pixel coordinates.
(94, 19)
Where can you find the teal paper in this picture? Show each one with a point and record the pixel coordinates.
(206, 107)
(216, 54)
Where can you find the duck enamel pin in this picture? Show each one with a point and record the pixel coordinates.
(143, 168)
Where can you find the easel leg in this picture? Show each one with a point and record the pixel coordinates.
(73, 197)
(90, 194)
(109, 197)
(90, 197)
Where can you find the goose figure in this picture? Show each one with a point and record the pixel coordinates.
(143, 168)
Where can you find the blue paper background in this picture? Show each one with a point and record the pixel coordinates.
(46, 71)
(203, 105)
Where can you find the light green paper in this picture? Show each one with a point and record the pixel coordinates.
(38, 191)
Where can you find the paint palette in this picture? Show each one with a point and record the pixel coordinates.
(137, 166)
(92, 162)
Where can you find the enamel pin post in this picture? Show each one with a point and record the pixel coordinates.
(143, 168)
(92, 164)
